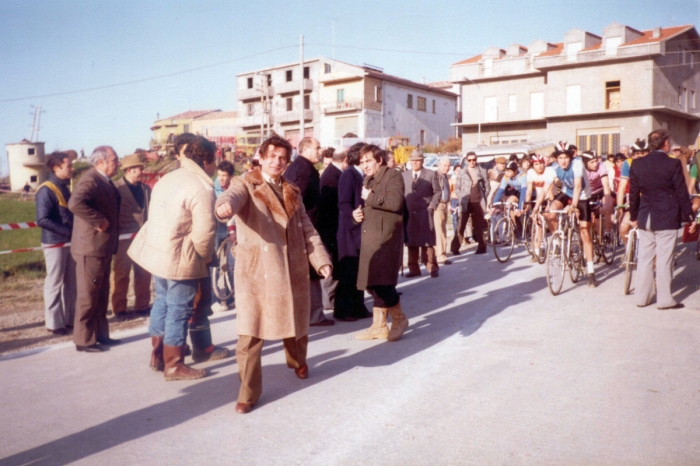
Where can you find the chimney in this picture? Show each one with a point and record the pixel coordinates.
(656, 33)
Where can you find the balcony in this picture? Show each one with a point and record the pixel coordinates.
(254, 93)
(344, 106)
(248, 121)
(292, 87)
(293, 116)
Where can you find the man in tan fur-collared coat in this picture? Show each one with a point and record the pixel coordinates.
(276, 242)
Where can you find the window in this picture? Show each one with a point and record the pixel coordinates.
(251, 110)
(421, 104)
(603, 140)
(327, 68)
(573, 99)
(306, 72)
(250, 83)
(340, 96)
(488, 67)
(682, 93)
(536, 105)
(683, 55)
(186, 128)
(513, 139)
(612, 95)
(289, 75)
(611, 45)
(377, 93)
(289, 104)
(32, 179)
(307, 102)
(31, 151)
(409, 101)
(512, 103)
(433, 105)
(572, 50)
(691, 57)
(490, 109)
(691, 98)
(269, 80)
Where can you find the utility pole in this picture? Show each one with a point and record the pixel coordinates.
(36, 123)
(301, 93)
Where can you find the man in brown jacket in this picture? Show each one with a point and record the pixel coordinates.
(276, 243)
(133, 213)
(95, 206)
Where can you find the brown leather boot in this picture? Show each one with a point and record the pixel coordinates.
(157, 363)
(399, 323)
(175, 369)
(213, 353)
(378, 330)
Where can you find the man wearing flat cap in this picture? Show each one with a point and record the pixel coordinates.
(422, 194)
(133, 213)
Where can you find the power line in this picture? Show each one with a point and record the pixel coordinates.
(125, 83)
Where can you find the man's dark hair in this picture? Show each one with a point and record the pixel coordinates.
(658, 138)
(328, 153)
(388, 155)
(513, 158)
(200, 150)
(255, 163)
(55, 159)
(276, 141)
(354, 153)
(377, 153)
(181, 140)
(226, 166)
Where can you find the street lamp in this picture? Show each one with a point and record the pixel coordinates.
(478, 140)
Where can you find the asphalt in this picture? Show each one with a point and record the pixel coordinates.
(493, 370)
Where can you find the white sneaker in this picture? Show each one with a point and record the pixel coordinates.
(219, 307)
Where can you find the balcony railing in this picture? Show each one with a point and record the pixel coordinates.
(292, 87)
(344, 106)
(247, 121)
(288, 117)
(254, 93)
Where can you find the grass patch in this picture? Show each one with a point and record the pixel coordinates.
(24, 265)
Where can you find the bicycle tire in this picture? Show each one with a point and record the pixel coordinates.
(630, 261)
(575, 254)
(607, 247)
(615, 241)
(556, 264)
(487, 232)
(527, 234)
(503, 240)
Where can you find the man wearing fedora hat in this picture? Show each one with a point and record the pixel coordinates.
(422, 194)
(133, 213)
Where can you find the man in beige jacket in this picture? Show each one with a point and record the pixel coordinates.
(175, 245)
(276, 243)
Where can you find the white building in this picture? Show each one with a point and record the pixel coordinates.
(26, 161)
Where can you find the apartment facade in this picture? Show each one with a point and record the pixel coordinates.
(165, 129)
(341, 99)
(598, 92)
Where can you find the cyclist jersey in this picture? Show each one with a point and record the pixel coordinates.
(625, 173)
(596, 178)
(537, 180)
(568, 177)
(516, 186)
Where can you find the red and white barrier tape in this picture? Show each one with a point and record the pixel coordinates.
(58, 245)
(18, 226)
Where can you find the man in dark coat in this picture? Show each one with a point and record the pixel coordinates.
(659, 204)
(472, 187)
(327, 224)
(349, 301)
(95, 206)
(302, 173)
(422, 195)
(382, 238)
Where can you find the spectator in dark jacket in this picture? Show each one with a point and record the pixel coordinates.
(56, 223)
(302, 173)
(349, 301)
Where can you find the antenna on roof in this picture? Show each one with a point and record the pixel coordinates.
(373, 68)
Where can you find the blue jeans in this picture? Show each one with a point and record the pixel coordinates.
(455, 215)
(172, 309)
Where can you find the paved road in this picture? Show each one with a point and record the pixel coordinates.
(493, 370)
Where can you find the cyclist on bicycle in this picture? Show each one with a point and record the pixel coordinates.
(694, 187)
(513, 186)
(535, 185)
(575, 192)
(600, 186)
(638, 149)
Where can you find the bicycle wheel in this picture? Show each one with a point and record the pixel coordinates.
(555, 263)
(503, 239)
(630, 261)
(575, 254)
(614, 237)
(527, 234)
(487, 232)
(222, 274)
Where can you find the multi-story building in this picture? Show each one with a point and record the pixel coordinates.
(165, 129)
(342, 99)
(597, 92)
(219, 127)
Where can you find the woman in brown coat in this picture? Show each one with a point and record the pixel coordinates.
(382, 244)
(276, 243)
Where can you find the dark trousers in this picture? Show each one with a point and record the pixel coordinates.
(476, 213)
(385, 296)
(349, 301)
(248, 356)
(200, 329)
(92, 276)
(427, 257)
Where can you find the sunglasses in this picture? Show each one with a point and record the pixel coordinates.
(471, 160)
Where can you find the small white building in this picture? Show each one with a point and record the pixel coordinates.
(26, 161)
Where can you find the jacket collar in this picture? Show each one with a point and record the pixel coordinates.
(190, 166)
(377, 177)
(263, 192)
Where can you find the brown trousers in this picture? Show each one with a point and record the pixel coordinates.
(427, 257)
(92, 276)
(122, 264)
(440, 220)
(248, 356)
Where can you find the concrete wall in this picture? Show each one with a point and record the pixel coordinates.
(18, 158)
(521, 87)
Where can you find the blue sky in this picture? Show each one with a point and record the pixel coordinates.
(49, 47)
